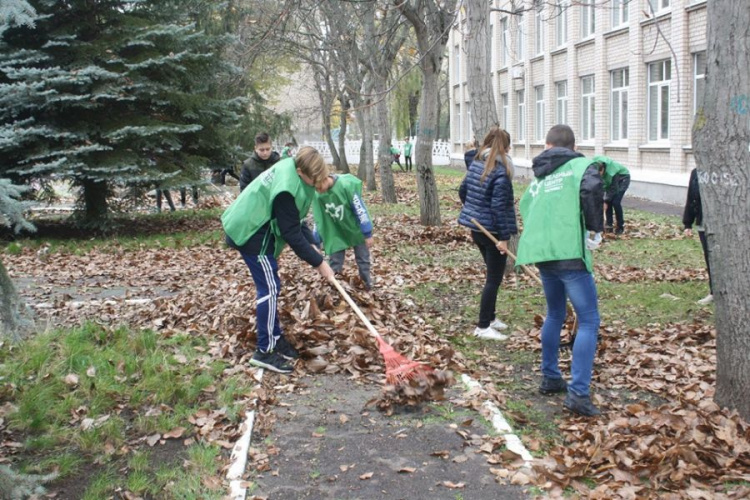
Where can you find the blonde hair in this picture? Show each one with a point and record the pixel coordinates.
(496, 143)
(312, 164)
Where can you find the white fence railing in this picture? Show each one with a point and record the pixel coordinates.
(441, 150)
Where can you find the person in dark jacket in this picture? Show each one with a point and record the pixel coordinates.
(487, 195)
(470, 151)
(562, 213)
(693, 214)
(262, 159)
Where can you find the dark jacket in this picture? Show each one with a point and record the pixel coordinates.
(693, 213)
(469, 157)
(489, 202)
(591, 196)
(254, 166)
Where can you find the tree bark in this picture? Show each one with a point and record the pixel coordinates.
(13, 322)
(95, 203)
(724, 178)
(344, 165)
(481, 94)
(366, 153)
(431, 21)
(385, 158)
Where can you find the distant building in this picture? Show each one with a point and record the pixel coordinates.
(605, 69)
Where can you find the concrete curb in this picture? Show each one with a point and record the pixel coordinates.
(499, 423)
(237, 488)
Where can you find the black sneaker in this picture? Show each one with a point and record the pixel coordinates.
(552, 385)
(619, 230)
(271, 361)
(581, 405)
(286, 349)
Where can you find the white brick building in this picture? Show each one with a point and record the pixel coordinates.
(604, 68)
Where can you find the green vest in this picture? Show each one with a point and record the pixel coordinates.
(407, 149)
(252, 208)
(552, 219)
(611, 168)
(337, 224)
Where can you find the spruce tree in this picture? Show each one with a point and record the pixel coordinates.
(108, 94)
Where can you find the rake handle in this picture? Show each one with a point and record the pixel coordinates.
(355, 307)
(494, 240)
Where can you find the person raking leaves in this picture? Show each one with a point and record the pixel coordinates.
(259, 223)
(562, 212)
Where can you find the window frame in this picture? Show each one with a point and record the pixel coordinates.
(521, 118)
(588, 19)
(588, 103)
(539, 114)
(621, 10)
(504, 108)
(620, 92)
(660, 85)
(505, 40)
(561, 102)
(698, 77)
(539, 24)
(561, 23)
(520, 37)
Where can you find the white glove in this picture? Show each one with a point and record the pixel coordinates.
(595, 242)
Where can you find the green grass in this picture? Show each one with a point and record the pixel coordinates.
(116, 369)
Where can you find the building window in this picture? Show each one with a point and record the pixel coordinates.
(620, 10)
(539, 23)
(699, 79)
(539, 125)
(588, 15)
(658, 5)
(520, 32)
(619, 102)
(469, 131)
(504, 117)
(587, 108)
(493, 49)
(521, 132)
(505, 40)
(561, 115)
(456, 65)
(659, 77)
(561, 22)
(457, 122)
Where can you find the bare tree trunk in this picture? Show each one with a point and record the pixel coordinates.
(385, 158)
(724, 177)
(481, 95)
(14, 316)
(366, 154)
(429, 200)
(431, 21)
(344, 165)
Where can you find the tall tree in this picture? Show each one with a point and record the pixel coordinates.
(431, 20)
(478, 64)
(108, 94)
(721, 140)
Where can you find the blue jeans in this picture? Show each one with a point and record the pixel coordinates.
(580, 288)
(265, 272)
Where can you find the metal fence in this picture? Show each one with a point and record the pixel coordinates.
(441, 150)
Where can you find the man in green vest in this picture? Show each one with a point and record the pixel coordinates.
(259, 223)
(407, 155)
(616, 180)
(563, 220)
(342, 221)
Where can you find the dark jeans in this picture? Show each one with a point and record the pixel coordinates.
(495, 263)
(407, 162)
(183, 195)
(615, 204)
(167, 195)
(704, 245)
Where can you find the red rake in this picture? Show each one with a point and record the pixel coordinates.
(398, 369)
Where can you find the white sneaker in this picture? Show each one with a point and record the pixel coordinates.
(498, 325)
(488, 333)
(706, 300)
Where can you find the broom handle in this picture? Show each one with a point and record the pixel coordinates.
(494, 240)
(355, 307)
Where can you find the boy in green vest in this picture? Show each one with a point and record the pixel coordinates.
(397, 157)
(562, 213)
(407, 155)
(259, 223)
(616, 180)
(342, 221)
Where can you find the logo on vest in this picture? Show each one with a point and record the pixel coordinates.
(335, 211)
(534, 187)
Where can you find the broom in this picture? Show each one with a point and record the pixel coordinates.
(535, 276)
(398, 369)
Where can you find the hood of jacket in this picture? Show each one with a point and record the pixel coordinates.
(551, 159)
